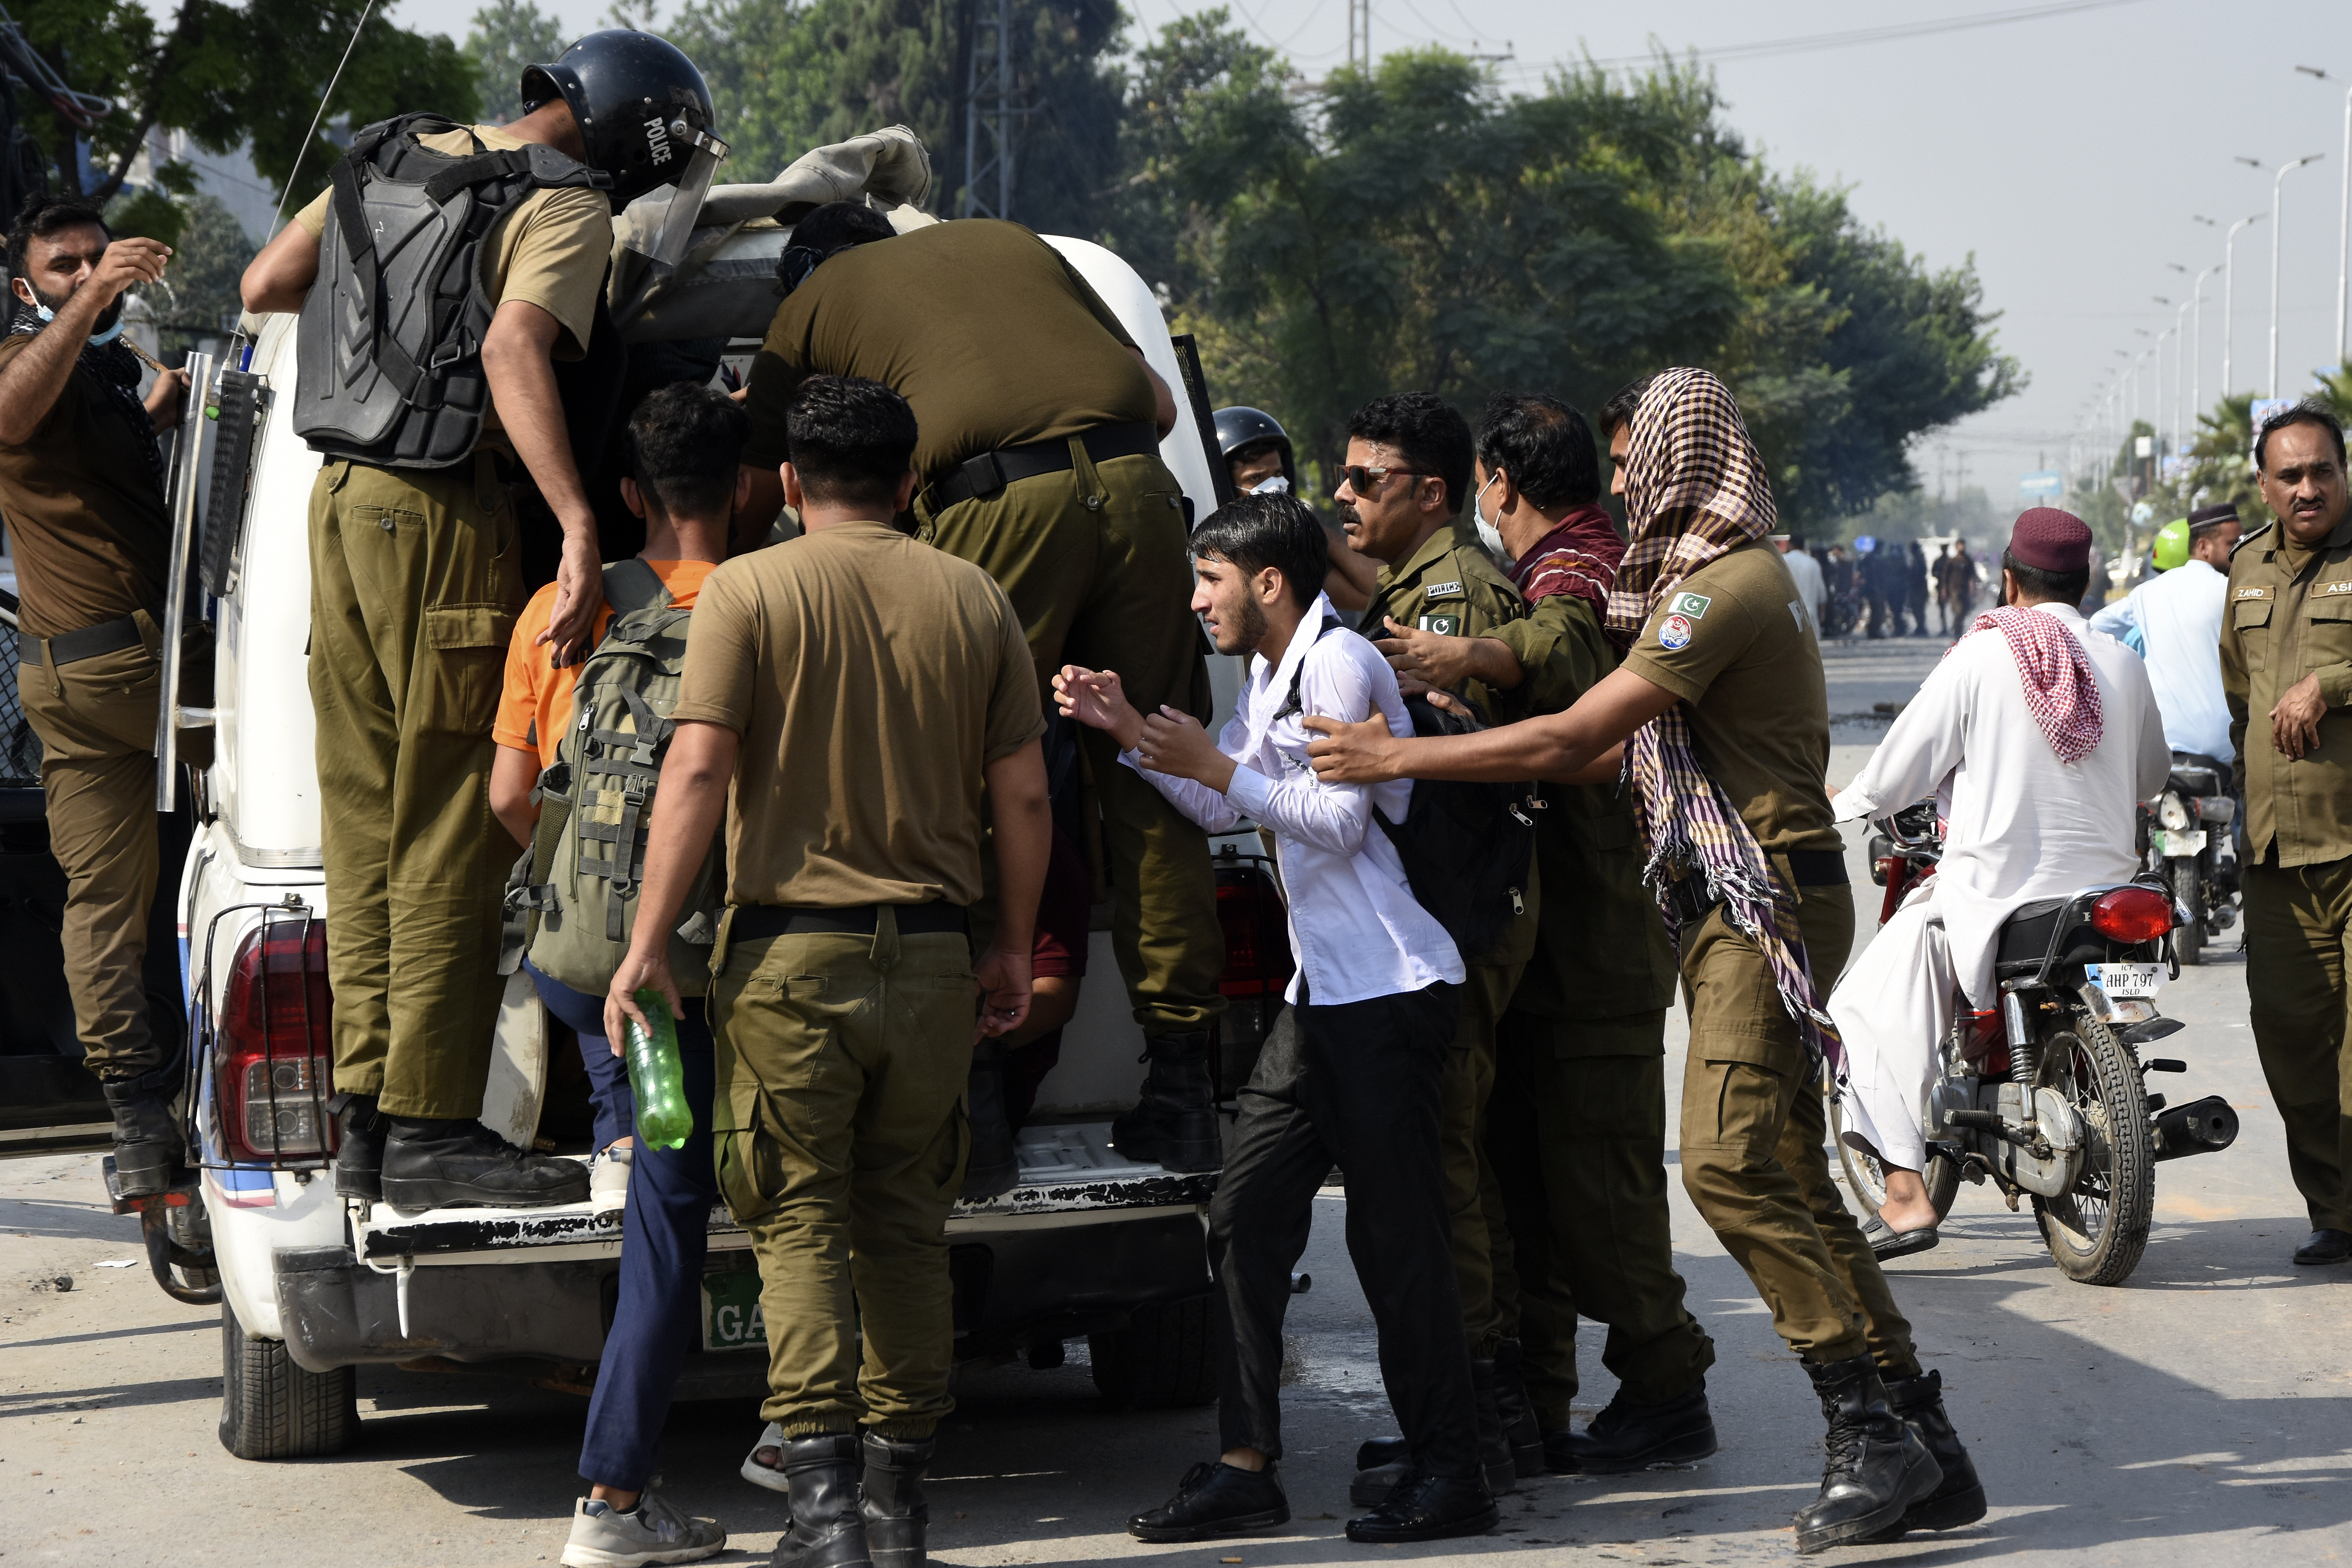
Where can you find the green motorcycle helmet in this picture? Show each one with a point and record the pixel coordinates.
(2172, 545)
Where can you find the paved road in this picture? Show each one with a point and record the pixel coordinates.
(2200, 1413)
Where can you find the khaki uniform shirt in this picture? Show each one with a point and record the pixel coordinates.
(1603, 950)
(2289, 615)
(1452, 587)
(1733, 641)
(85, 523)
(988, 333)
(870, 678)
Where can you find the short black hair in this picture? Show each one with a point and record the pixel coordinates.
(1619, 410)
(2310, 411)
(43, 215)
(682, 446)
(851, 440)
(1544, 445)
(2043, 585)
(838, 223)
(1425, 431)
(1256, 531)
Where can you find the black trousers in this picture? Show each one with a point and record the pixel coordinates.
(1356, 1086)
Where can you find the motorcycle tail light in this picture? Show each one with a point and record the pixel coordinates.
(275, 1057)
(1257, 952)
(2132, 915)
(2172, 813)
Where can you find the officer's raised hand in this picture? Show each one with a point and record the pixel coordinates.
(166, 399)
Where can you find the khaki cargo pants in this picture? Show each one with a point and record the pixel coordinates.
(415, 580)
(1094, 561)
(96, 720)
(841, 1143)
(2298, 920)
(1754, 1123)
(1576, 1135)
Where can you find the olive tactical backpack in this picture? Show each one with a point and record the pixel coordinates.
(388, 350)
(572, 900)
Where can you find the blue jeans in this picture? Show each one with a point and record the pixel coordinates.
(665, 1234)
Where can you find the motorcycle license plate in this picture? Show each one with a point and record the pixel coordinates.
(2172, 845)
(2125, 982)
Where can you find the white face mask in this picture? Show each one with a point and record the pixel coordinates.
(97, 340)
(1272, 485)
(1489, 534)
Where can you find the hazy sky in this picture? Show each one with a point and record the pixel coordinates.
(2069, 153)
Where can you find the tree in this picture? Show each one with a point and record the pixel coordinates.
(507, 36)
(229, 74)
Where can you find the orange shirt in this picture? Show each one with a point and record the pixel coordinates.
(536, 707)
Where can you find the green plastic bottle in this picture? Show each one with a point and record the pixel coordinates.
(664, 1118)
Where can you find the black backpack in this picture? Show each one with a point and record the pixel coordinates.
(1467, 848)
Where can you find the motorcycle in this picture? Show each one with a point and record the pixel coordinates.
(2189, 837)
(2045, 1095)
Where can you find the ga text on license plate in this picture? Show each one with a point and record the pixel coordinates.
(2126, 981)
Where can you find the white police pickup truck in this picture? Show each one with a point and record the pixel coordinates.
(1088, 1245)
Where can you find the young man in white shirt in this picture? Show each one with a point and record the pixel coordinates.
(2179, 614)
(1351, 1076)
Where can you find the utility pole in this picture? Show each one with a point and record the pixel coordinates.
(989, 112)
(1359, 35)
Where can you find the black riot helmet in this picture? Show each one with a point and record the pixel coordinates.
(1243, 430)
(644, 110)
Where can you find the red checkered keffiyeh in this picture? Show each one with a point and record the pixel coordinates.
(1579, 557)
(2058, 686)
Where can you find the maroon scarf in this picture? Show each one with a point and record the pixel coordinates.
(1579, 557)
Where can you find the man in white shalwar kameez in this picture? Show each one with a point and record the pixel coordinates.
(2037, 736)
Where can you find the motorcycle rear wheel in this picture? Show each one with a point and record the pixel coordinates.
(2188, 891)
(2098, 1229)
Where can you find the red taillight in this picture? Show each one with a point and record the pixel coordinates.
(1257, 943)
(275, 1062)
(2132, 914)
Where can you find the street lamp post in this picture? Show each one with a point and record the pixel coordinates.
(2344, 225)
(2180, 381)
(2197, 333)
(2278, 189)
(2229, 296)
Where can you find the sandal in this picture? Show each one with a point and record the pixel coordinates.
(768, 1472)
(1888, 1242)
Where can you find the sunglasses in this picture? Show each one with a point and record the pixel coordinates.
(1365, 480)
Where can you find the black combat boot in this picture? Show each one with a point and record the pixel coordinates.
(147, 1146)
(1174, 1122)
(429, 1162)
(1873, 1466)
(1520, 1429)
(1960, 1499)
(1494, 1447)
(828, 1528)
(896, 1514)
(993, 1169)
(1626, 1437)
(1382, 1464)
(358, 1148)
(1428, 1508)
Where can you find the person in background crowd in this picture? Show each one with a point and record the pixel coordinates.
(1351, 1074)
(2177, 615)
(1258, 455)
(1915, 587)
(2287, 673)
(1805, 572)
(1721, 704)
(82, 481)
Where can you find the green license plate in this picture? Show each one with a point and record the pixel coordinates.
(731, 1311)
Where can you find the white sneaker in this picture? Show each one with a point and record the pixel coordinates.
(608, 1178)
(604, 1537)
(759, 1475)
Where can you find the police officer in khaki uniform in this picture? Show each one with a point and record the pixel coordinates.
(1040, 464)
(1576, 1124)
(842, 988)
(417, 579)
(1400, 493)
(2286, 672)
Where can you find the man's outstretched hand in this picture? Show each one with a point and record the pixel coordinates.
(1359, 753)
(1097, 699)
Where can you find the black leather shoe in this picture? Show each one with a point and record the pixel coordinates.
(147, 1147)
(892, 1504)
(2326, 1246)
(1428, 1508)
(1625, 1437)
(1959, 1498)
(1174, 1122)
(359, 1148)
(1875, 1467)
(1214, 1500)
(434, 1163)
(1520, 1431)
(993, 1168)
(822, 1477)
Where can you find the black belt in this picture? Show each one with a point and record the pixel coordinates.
(1808, 868)
(72, 648)
(990, 472)
(753, 923)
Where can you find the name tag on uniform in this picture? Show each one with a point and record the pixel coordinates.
(1443, 626)
(2252, 594)
(1443, 590)
(2324, 589)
